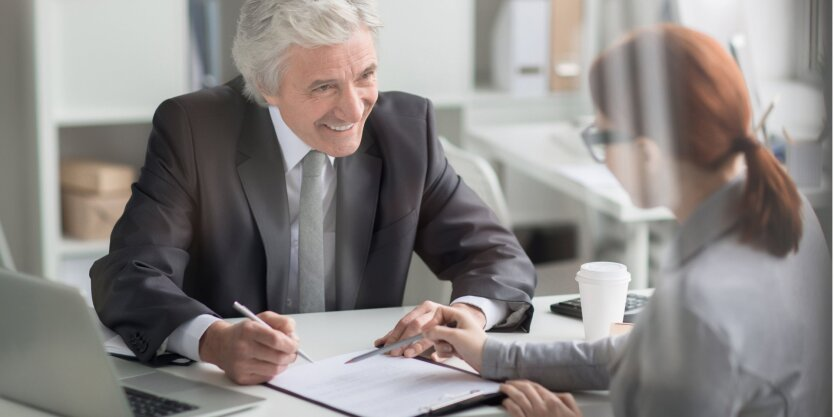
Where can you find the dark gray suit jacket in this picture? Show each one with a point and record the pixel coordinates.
(208, 223)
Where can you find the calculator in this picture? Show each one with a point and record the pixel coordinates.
(573, 307)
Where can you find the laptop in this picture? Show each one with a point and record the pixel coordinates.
(52, 358)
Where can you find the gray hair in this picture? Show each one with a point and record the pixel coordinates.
(267, 28)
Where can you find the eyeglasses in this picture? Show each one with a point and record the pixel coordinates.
(596, 140)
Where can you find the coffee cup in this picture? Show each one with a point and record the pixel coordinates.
(603, 287)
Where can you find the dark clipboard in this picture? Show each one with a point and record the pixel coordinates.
(441, 409)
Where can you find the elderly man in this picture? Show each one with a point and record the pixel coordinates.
(297, 188)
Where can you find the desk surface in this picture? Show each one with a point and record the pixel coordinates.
(328, 334)
(554, 154)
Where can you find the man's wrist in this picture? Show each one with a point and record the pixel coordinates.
(208, 341)
(475, 311)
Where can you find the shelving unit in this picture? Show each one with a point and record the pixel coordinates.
(102, 68)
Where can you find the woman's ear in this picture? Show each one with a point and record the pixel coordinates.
(658, 170)
(649, 153)
(651, 157)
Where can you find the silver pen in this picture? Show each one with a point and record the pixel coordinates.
(395, 345)
(250, 315)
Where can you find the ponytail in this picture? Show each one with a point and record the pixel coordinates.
(770, 207)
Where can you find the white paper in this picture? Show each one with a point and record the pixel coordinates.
(381, 386)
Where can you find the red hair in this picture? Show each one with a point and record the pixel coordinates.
(708, 113)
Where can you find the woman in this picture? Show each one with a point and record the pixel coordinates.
(741, 321)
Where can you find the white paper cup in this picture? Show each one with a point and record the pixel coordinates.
(603, 287)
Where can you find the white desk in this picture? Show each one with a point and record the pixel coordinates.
(554, 154)
(327, 334)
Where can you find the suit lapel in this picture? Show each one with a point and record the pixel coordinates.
(261, 171)
(357, 193)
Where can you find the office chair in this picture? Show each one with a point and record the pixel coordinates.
(6, 260)
(480, 177)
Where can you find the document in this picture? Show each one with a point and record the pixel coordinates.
(381, 386)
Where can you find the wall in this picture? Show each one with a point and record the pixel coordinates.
(17, 133)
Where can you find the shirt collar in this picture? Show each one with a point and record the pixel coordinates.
(292, 147)
(712, 219)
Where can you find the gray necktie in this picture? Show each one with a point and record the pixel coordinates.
(311, 234)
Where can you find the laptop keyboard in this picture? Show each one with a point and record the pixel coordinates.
(148, 405)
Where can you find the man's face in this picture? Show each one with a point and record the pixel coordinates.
(327, 93)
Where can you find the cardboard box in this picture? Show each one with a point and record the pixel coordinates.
(96, 177)
(566, 72)
(90, 216)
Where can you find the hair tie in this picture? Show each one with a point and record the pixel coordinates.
(745, 144)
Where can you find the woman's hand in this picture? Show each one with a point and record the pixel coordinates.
(465, 340)
(528, 399)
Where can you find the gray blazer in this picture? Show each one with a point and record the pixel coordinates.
(208, 224)
(730, 331)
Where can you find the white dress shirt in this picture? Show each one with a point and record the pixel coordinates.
(185, 339)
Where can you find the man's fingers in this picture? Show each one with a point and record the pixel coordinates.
(442, 315)
(278, 322)
(268, 354)
(264, 370)
(247, 379)
(417, 348)
(398, 332)
(413, 329)
(271, 338)
(253, 371)
(382, 341)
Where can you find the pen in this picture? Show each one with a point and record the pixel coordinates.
(248, 313)
(392, 346)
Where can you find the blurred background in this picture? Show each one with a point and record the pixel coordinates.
(80, 80)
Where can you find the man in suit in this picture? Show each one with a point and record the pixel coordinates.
(297, 188)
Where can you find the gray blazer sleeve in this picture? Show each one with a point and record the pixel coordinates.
(559, 366)
(136, 288)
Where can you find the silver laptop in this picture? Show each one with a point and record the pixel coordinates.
(52, 358)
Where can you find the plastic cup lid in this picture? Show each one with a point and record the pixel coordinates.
(603, 271)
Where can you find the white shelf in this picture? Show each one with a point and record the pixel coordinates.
(103, 116)
(494, 98)
(75, 248)
(94, 68)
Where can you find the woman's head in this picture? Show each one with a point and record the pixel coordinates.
(678, 93)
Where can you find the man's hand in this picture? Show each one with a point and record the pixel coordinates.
(528, 399)
(412, 324)
(466, 340)
(249, 352)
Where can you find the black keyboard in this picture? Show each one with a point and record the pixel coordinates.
(573, 308)
(148, 405)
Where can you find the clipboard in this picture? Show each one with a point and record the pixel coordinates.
(384, 387)
(464, 403)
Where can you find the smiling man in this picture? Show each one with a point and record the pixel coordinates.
(297, 187)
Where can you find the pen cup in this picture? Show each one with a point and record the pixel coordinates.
(603, 287)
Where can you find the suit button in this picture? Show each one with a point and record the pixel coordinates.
(289, 302)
